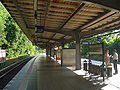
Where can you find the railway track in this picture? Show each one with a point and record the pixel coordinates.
(8, 73)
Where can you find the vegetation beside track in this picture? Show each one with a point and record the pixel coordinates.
(12, 61)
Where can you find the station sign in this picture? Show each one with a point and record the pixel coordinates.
(85, 42)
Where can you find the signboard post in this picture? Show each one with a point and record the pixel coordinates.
(97, 49)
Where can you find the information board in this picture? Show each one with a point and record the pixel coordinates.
(95, 49)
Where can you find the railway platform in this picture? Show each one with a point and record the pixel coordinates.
(40, 73)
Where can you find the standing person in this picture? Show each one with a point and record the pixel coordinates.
(115, 60)
(107, 58)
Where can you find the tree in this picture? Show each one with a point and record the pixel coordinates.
(2, 26)
(12, 38)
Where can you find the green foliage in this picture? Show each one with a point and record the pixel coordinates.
(12, 38)
(11, 61)
(70, 45)
(84, 51)
(2, 26)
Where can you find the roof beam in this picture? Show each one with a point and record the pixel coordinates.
(35, 13)
(93, 20)
(118, 19)
(58, 40)
(46, 13)
(61, 41)
(111, 4)
(78, 9)
(49, 39)
(96, 18)
(74, 13)
(45, 45)
(94, 32)
(70, 33)
(101, 15)
(23, 25)
(51, 45)
(17, 7)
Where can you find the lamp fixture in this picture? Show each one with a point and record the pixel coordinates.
(39, 29)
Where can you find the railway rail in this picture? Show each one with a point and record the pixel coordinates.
(9, 72)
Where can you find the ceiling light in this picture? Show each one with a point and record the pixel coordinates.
(40, 29)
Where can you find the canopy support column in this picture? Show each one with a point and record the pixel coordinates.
(47, 51)
(50, 52)
(62, 55)
(78, 54)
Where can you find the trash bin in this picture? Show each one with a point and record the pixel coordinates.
(109, 71)
(90, 67)
(103, 71)
(85, 65)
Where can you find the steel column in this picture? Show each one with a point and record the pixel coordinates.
(50, 53)
(62, 55)
(47, 51)
(78, 54)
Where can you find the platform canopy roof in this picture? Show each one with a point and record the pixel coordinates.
(62, 19)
